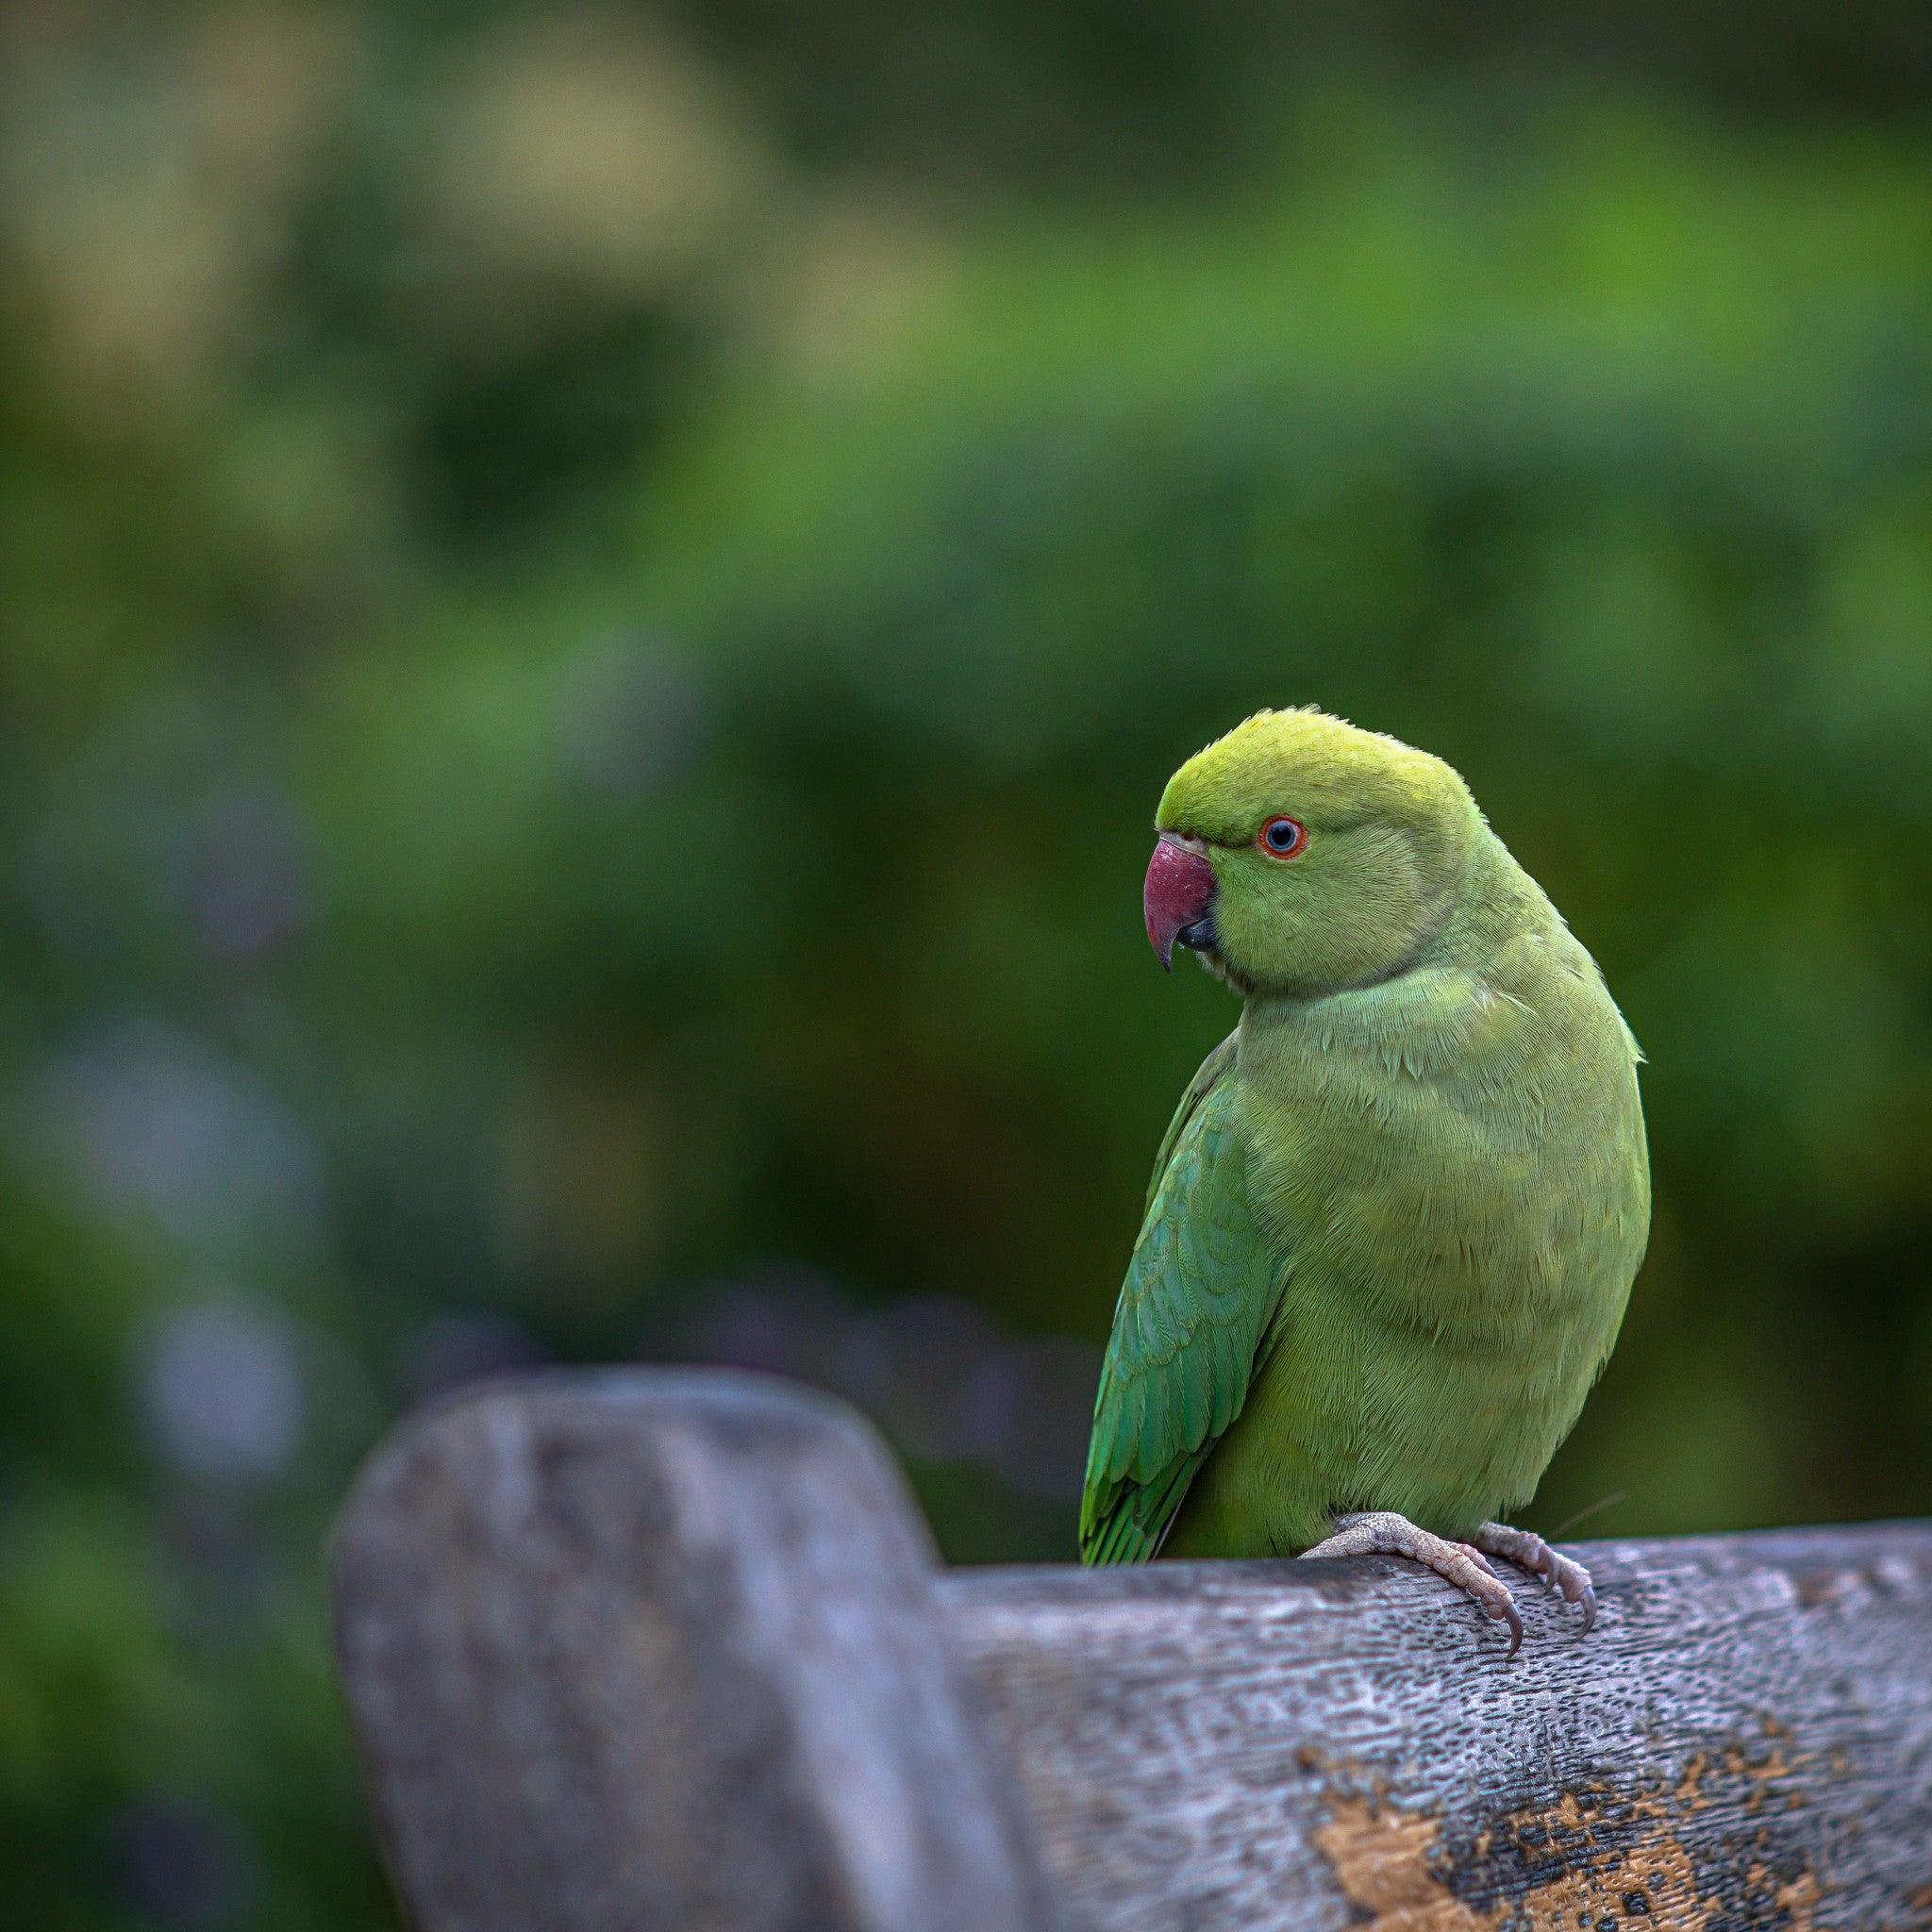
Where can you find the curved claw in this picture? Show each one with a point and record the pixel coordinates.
(1506, 1612)
(1589, 1602)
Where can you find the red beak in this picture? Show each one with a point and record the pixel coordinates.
(1180, 889)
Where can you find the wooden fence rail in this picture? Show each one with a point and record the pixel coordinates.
(672, 1650)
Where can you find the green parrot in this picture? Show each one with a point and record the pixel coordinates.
(1394, 1221)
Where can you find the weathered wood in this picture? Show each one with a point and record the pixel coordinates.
(1743, 1740)
(660, 1651)
(669, 1651)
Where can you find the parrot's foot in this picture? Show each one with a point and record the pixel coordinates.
(1382, 1533)
(1529, 1552)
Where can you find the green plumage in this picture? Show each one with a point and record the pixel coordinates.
(1394, 1223)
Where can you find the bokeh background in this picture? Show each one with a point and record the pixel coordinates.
(595, 604)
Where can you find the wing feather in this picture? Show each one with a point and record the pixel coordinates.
(1198, 1296)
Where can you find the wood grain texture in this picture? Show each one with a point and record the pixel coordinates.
(671, 1650)
(1744, 1741)
(660, 1650)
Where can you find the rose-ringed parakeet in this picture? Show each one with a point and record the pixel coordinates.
(1394, 1221)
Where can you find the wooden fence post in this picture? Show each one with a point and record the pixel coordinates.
(661, 1650)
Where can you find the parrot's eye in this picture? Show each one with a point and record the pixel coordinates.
(1283, 836)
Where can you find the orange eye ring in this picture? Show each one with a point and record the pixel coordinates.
(1283, 836)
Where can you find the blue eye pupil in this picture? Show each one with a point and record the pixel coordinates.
(1281, 835)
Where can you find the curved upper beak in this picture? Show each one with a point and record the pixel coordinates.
(1179, 894)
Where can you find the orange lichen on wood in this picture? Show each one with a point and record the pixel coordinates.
(1381, 1859)
(1593, 1856)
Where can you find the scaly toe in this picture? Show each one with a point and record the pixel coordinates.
(1560, 1573)
(1569, 1576)
(1572, 1579)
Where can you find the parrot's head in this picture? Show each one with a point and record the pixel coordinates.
(1301, 856)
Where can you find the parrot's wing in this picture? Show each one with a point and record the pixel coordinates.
(1200, 1292)
(1216, 1064)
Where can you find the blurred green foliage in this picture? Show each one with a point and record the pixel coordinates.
(596, 607)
